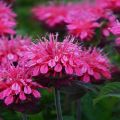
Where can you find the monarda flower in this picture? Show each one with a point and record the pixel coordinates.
(115, 28)
(110, 4)
(16, 86)
(7, 19)
(82, 29)
(65, 60)
(13, 49)
(52, 58)
(93, 66)
(82, 22)
(50, 15)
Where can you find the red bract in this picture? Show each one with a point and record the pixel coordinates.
(93, 66)
(13, 49)
(16, 86)
(51, 15)
(7, 19)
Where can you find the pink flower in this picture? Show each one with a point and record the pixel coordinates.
(83, 29)
(51, 15)
(115, 28)
(93, 66)
(83, 21)
(117, 41)
(16, 86)
(112, 27)
(52, 57)
(13, 49)
(110, 4)
(7, 19)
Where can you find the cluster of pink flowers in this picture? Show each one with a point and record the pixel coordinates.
(81, 19)
(16, 86)
(54, 58)
(7, 19)
(13, 49)
(21, 59)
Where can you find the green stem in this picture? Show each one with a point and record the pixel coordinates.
(78, 115)
(58, 104)
(24, 117)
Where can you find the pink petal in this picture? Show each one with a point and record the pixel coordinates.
(9, 100)
(106, 74)
(90, 71)
(36, 71)
(78, 72)
(84, 69)
(16, 87)
(31, 63)
(27, 90)
(22, 96)
(97, 75)
(58, 68)
(65, 58)
(1, 95)
(36, 94)
(44, 69)
(86, 78)
(83, 35)
(106, 32)
(71, 27)
(7, 92)
(10, 56)
(69, 70)
(52, 63)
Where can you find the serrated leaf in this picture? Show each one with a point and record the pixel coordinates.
(109, 90)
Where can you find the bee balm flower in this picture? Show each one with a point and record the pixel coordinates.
(16, 86)
(7, 20)
(93, 66)
(13, 49)
(52, 57)
(51, 15)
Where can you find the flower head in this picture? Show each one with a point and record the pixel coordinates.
(82, 22)
(7, 19)
(13, 49)
(51, 15)
(52, 57)
(93, 65)
(110, 4)
(16, 86)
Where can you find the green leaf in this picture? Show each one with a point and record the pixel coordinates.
(101, 111)
(109, 90)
